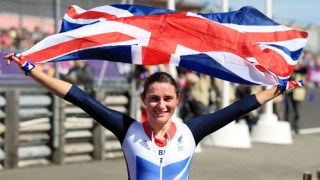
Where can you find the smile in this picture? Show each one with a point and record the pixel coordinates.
(161, 112)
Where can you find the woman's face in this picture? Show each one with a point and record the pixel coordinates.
(161, 101)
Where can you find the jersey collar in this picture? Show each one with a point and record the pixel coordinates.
(161, 143)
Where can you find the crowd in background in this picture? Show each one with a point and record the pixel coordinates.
(200, 94)
(15, 39)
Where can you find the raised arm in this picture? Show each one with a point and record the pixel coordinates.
(115, 121)
(204, 125)
(267, 95)
(55, 86)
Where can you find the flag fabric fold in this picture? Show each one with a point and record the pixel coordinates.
(241, 46)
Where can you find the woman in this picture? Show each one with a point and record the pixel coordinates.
(157, 148)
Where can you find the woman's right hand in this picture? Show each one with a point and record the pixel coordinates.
(21, 61)
(53, 85)
(10, 57)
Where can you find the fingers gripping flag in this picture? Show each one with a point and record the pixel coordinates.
(242, 46)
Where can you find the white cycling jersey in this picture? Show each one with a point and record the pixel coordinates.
(146, 160)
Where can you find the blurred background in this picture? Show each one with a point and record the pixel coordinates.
(25, 22)
(39, 129)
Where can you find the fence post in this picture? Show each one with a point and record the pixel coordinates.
(307, 175)
(98, 142)
(98, 133)
(58, 119)
(12, 119)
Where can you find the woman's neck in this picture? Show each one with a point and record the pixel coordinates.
(160, 130)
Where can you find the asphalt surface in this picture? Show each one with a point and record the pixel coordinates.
(262, 161)
(310, 109)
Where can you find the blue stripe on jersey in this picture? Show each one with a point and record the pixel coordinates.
(146, 169)
(172, 170)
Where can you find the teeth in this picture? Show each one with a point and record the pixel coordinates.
(160, 112)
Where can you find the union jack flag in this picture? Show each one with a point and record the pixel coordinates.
(242, 46)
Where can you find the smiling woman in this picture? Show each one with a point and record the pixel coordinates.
(157, 148)
(161, 97)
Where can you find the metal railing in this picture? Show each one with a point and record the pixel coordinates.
(28, 134)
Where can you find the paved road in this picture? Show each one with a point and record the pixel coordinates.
(310, 111)
(310, 114)
(261, 162)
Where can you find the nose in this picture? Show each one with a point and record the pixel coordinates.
(162, 104)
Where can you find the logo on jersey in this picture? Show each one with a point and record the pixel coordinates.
(162, 152)
(179, 144)
(144, 144)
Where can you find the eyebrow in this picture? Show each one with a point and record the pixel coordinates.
(154, 95)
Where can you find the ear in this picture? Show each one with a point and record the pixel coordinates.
(142, 98)
(178, 97)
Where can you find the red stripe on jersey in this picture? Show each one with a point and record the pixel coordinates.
(161, 143)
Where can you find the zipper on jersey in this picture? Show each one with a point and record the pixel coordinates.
(161, 159)
(156, 153)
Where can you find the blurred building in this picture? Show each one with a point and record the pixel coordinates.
(32, 13)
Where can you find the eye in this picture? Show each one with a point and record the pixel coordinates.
(154, 98)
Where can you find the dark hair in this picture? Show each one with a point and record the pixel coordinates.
(159, 77)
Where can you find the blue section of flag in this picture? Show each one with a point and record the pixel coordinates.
(110, 53)
(139, 10)
(68, 26)
(207, 65)
(293, 54)
(245, 16)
